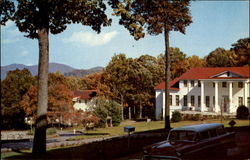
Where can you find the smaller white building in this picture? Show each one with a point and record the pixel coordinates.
(206, 91)
(82, 99)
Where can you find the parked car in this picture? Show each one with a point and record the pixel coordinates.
(192, 142)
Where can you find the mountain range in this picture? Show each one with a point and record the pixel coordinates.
(53, 67)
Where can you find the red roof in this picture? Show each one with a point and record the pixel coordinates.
(208, 73)
(85, 94)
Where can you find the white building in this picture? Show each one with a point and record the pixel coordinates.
(206, 91)
(82, 99)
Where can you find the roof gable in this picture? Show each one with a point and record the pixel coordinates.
(226, 74)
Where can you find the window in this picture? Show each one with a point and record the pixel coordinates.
(213, 100)
(199, 101)
(185, 100)
(185, 83)
(177, 100)
(192, 83)
(213, 133)
(204, 135)
(240, 101)
(228, 74)
(170, 100)
(240, 84)
(192, 100)
(213, 84)
(220, 130)
(207, 101)
(224, 84)
(248, 101)
(199, 83)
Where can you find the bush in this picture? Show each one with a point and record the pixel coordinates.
(176, 116)
(51, 131)
(196, 117)
(104, 108)
(242, 112)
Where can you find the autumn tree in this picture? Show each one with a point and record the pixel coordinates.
(90, 81)
(157, 16)
(59, 98)
(13, 87)
(221, 58)
(242, 50)
(38, 18)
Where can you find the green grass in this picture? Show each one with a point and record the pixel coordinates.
(13, 153)
(144, 126)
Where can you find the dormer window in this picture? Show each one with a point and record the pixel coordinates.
(228, 74)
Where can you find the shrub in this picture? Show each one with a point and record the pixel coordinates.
(242, 112)
(104, 108)
(196, 117)
(51, 131)
(176, 116)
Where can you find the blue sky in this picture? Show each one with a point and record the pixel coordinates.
(215, 24)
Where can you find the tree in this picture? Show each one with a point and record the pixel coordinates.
(38, 18)
(90, 81)
(221, 58)
(157, 16)
(13, 87)
(115, 76)
(242, 50)
(104, 108)
(59, 98)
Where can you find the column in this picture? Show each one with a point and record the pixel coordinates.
(163, 107)
(216, 106)
(230, 97)
(202, 96)
(245, 93)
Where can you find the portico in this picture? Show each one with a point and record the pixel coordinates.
(207, 90)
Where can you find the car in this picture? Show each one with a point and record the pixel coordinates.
(201, 141)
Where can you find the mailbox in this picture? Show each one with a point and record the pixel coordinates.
(129, 129)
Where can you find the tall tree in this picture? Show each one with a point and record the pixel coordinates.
(157, 16)
(38, 18)
(221, 58)
(13, 87)
(242, 50)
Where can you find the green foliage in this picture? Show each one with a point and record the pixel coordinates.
(242, 50)
(51, 131)
(176, 116)
(221, 58)
(13, 87)
(103, 108)
(132, 81)
(242, 112)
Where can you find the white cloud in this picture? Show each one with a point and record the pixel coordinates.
(10, 33)
(24, 53)
(91, 39)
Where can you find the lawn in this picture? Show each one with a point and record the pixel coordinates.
(145, 126)
(139, 127)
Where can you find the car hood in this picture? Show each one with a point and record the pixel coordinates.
(161, 148)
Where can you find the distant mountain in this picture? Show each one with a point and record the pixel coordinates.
(83, 72)
(53, 67)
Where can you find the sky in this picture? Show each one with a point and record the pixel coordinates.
(215, 24)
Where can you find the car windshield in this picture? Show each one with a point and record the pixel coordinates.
(181, 136)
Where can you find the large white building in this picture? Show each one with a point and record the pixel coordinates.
(206, 91)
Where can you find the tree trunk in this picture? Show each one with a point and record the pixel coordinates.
(167, 77)
(39, 144)
(129, 112)
(122, 113)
